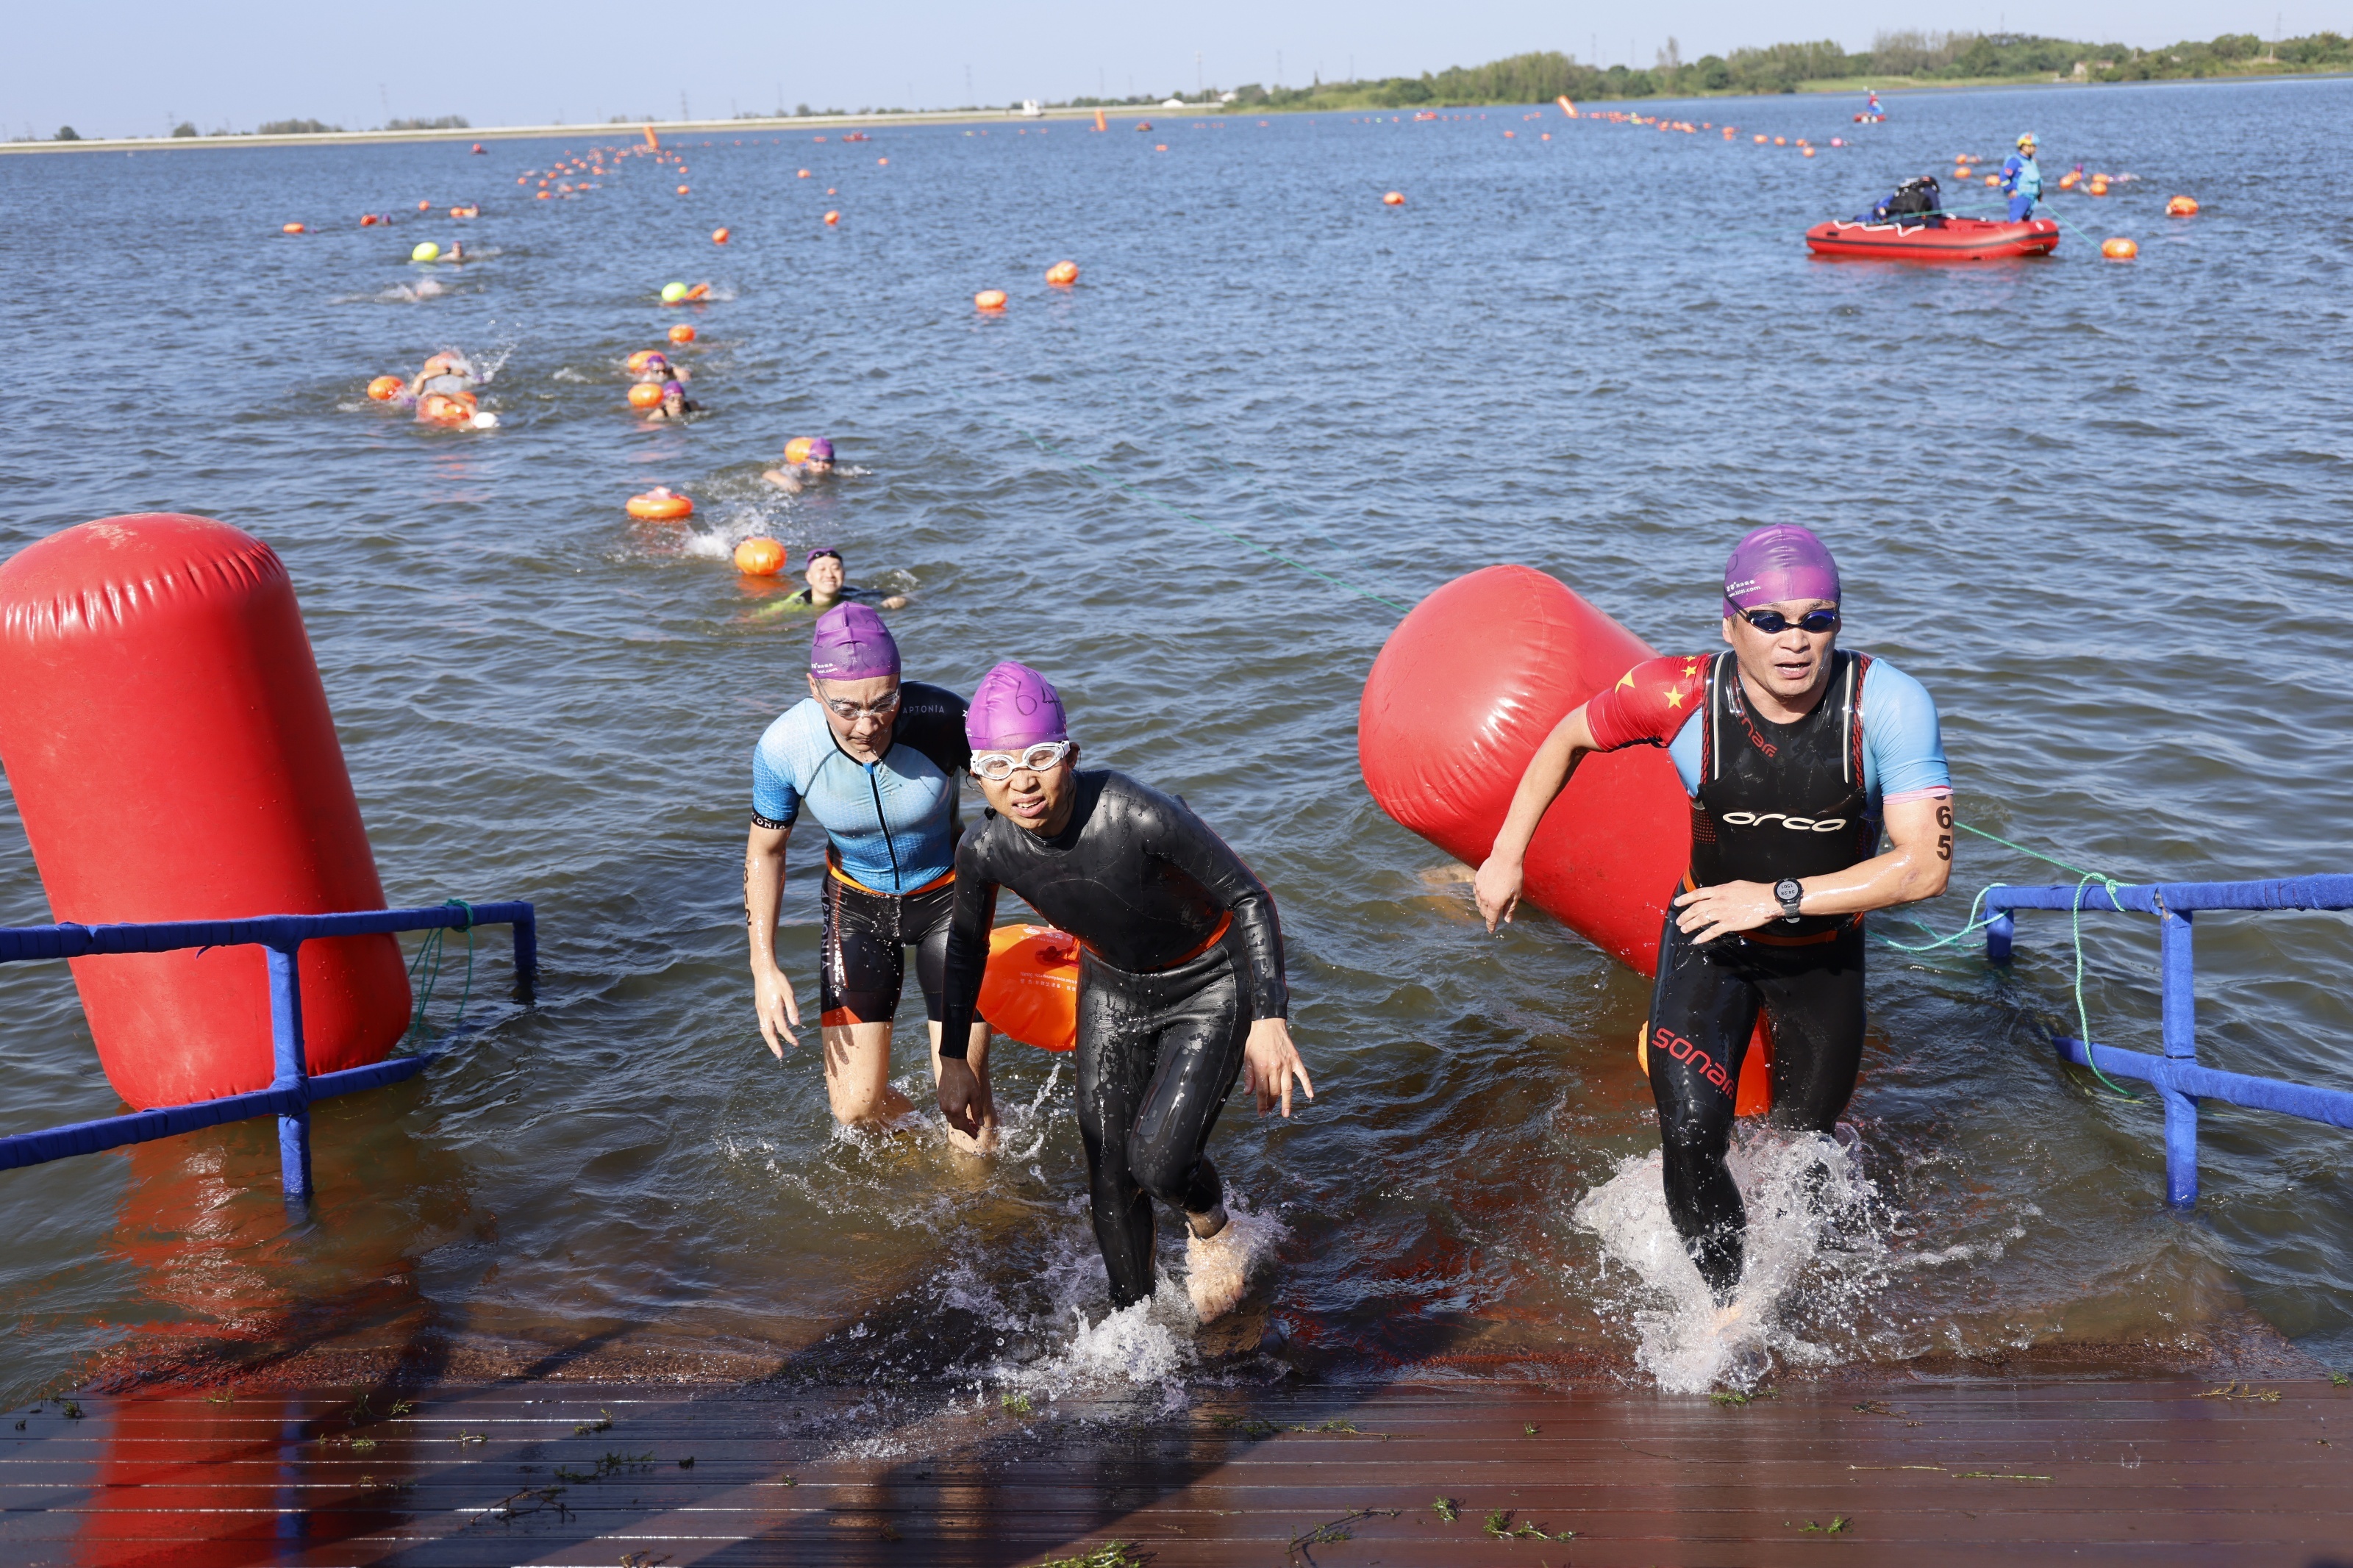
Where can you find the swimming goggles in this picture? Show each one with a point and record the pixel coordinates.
(1772, 623)
(998, 766)
(880, 708)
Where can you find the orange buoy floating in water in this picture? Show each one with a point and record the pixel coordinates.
(989, 300)
(1160, 146)
(832, 217)
(1393, 199)
(719, 235)
(2119, 249)
(1063, 273)
(1030, 989)
(882, 162)
(661, 504)
(1992, 180)
(645, 394)
(447, 408)
(424, 206)
(1760, 141)
(384, 388)
(2066, 181)
(1809, 152)
(293, 228)
(1444, 761)
(760, 557)
(2098, 187)
(545, 196)
(2181, 206)
(802, 175)
(1779, 140)
(681, 333)
(367, 220)
(699, 291)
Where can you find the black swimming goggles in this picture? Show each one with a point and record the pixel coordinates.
(1773, 623)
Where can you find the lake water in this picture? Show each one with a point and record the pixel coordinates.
(2100, 509)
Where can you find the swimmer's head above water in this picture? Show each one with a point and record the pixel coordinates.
(1022, 752)
(1781, 610)
(854, 676)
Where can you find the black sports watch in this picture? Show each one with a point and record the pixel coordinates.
(1792, 892)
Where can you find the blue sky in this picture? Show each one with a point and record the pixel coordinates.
(121, 69)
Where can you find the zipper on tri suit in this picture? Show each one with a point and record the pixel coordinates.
(898, 878)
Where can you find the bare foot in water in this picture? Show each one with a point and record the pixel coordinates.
(1217, 1266)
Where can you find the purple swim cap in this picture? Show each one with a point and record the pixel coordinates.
(852, 644)
(670, 386)
(1776, 563)
(820, 450)
(1013, 708)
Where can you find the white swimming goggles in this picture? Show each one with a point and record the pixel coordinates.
(998, 766)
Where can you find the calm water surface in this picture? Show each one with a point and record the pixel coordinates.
(2100, 509)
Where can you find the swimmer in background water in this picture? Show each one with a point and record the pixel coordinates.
(806, 458)
(826, 589)
(446, 373)
(674, 406)
(655, 367)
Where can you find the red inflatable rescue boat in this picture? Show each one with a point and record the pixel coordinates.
(1442, 739)
(171, 751)
(1948, 240)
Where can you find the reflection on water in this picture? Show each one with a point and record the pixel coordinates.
(2096, 509)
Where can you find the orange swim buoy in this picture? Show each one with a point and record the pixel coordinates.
(1777, 141)
(759, 557)
(447, 408)
(2066, 181)
(882, 161)
(802, 175)
(2098, 187)
(544, 195)
(1992, 180)
(645, 394)
(681, 333)
(1030, 989)
(424, 206)
(833, 218)
(699, 291)
(1809, 152)
(2181, 206)
(384, 388)
(1760, 141)
(367, 220)
(684, 190)
(1063, 273)
(797, 450)
(661, 504)
(1393, 199)
(293, 228)
(989, 300)
(719, 235)
(2119, 249)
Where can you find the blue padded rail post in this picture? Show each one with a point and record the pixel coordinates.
(292, 1070)
(525, 927)
(2001, 929)
(2179, 994)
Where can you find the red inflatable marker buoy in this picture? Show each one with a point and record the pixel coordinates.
(1443, 758)
(173, 758)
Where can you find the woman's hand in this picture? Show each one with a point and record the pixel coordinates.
(962, 1101)
(1496, 886)
(1269, 1061)
(779, 1010)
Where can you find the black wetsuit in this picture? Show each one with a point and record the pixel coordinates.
(1775, 801)
(1181, 952)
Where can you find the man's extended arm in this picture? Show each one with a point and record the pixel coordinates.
(763, 891)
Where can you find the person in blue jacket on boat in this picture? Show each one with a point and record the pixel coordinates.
(2021, 180)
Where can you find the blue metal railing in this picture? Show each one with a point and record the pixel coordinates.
(2180, 1081)
(293, 1090)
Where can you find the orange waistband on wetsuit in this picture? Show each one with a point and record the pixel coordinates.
(1225, 924)
(1808, 940)
(846, 880)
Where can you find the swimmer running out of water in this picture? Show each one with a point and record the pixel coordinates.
(879, 762)
(1181, 987)
(1795, 754)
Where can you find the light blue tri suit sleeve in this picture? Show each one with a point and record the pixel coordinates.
(776, 794)
(1903, 744)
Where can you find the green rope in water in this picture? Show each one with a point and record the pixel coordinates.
(428, 962)
(2076, 916)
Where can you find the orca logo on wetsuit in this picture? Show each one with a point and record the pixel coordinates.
(1794, 824)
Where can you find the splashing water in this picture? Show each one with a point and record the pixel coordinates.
(1817, 1249)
